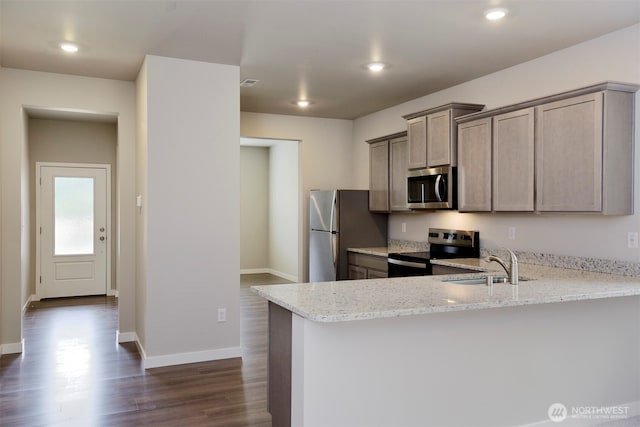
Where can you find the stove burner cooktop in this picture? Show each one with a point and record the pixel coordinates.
(443, 244)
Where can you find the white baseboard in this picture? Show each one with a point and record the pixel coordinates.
(632, 410)
(149, 362)
(112, 293)
(254, 270)
(26, 304)
(12, 348)
(126, 337)
(285, 276)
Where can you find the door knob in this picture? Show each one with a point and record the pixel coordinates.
(102, 238)
(102, 229)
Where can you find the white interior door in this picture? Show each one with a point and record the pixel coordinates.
(73, 223)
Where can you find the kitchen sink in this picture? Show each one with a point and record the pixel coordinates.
(481, 280)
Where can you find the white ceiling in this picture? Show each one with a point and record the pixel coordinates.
(305, 48)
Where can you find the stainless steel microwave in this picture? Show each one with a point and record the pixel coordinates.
(433, 188)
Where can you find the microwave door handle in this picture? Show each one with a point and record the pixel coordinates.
(438, 194)
(422, 188)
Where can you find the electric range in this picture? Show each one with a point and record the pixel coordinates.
(443, 244)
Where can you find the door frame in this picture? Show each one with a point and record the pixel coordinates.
(38, 239)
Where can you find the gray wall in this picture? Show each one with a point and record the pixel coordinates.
(66, 141)
(254, 208)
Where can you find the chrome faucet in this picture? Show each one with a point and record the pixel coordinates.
(511, 269)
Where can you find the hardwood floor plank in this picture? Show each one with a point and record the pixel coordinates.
(73, 373)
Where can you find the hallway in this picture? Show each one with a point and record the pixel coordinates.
(73, 373)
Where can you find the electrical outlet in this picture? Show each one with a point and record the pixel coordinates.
(404, 227)
(512, 233)
(632, 240)
(222, 315)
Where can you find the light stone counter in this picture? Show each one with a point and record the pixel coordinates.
(384, 298)
(381, 251)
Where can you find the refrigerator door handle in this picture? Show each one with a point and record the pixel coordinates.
(334, 252)
(332, 220)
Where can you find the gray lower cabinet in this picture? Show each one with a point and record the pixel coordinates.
(364, 266)
(445, 269)
(571, 152)
(388, 157)
(356, 272)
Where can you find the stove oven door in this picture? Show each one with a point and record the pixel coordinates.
(403, 268)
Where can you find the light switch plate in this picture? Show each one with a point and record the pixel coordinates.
(512, 233)
(632, 240)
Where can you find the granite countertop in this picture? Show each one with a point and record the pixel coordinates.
(406, 296)
(381, 251)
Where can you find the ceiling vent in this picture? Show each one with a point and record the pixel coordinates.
(248, 82)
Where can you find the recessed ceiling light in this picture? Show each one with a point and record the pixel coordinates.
(495, 14)
(303, 103)
(69, 47)
(376, 67)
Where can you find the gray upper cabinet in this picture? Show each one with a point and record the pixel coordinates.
(474, 166)
(417, 133)
(432, 135)
(399, 161)
(439, 139)
(388, 160)
(379, 176)
(585, 143)
(495, 166)
(569, 163)
(513, 161)
(570, 152)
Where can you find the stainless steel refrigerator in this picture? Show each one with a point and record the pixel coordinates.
(340, 219)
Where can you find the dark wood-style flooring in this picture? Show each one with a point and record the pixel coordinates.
(73, 373)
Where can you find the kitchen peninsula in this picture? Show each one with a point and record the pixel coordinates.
(422, 351)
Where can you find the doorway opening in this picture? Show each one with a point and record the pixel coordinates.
(270, 210)
(75, 156)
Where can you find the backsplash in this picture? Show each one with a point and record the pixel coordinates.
(622, 268)
(407, 246)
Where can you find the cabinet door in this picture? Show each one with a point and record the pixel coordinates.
(417, 133)
(437, 270)
(379, 176)
(398, 150)
(569, 155)
(357, 273)
(474, 166)
(513, 160)
(376, 274)
(439, 138)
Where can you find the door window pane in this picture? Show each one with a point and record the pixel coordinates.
(73, 216)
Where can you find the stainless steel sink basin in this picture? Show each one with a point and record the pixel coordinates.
(480, 281)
